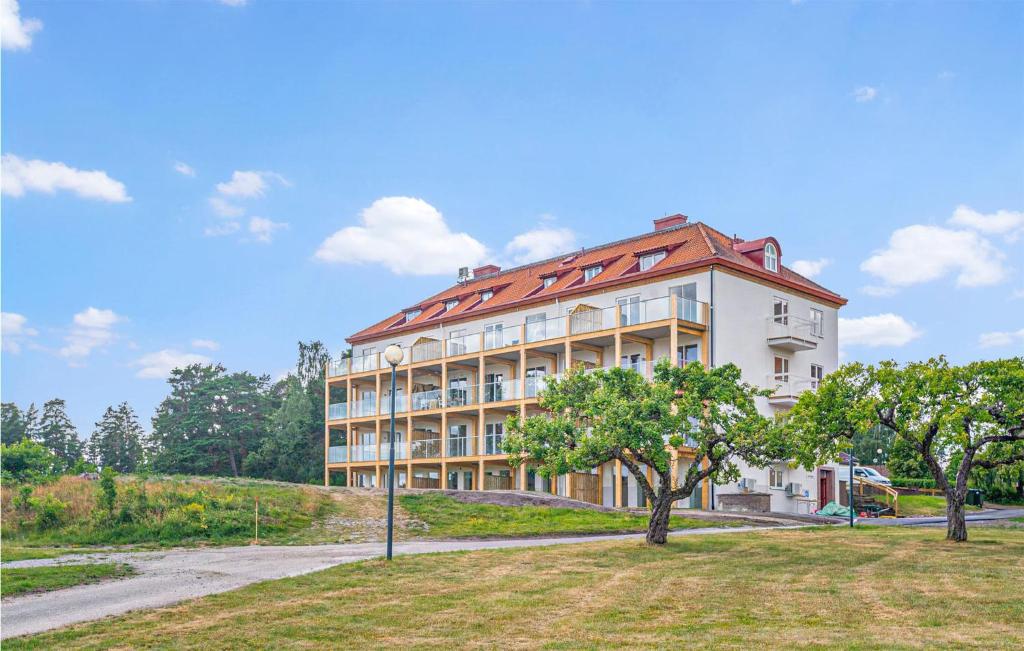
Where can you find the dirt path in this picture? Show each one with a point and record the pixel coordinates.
(166, 578)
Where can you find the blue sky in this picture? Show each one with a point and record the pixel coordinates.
(884, 138)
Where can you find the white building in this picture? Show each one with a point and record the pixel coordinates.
(480, 350)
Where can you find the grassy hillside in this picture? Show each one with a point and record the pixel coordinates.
(925, 505)
(160, 510)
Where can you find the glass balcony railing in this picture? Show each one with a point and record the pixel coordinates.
(401, 404)
(690, 310)
(461, 446)
(365, 407)
(542, 330)
(423, 400)
(462, 396)
(364, 363)
(337, 410)
(498, 391)
(492, 444)
(364, 452)
(501, 338)
(337, 454)
(399, 450)
(426, 448)
(337, 367)
(462, 345)
(426, 350)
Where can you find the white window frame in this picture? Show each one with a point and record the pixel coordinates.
(549, 281)
(591, 272)
(774, 474)
(486, 295)
(817, 322)
(648, 260)
(451, 304)
(494, 335)
(412, 314)
(629, 309)
(783, 375)
(771, 257)
(817, 373)
(780, 316)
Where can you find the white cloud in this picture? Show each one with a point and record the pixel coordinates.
(540, 243)
(865, 93)
(810, 268)
(15, 32)
(158, 365)
(918, 254)
(184, 169)
(249, 183)
(1008, 223)
(994, 339)
(406, 235)
(225, 208)
(263, 229)
(91, 328)
(14, 330)
(20, 176)
(226, 228)
(208, 344)
(875, 331)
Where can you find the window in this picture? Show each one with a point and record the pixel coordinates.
(771, 257)
(774, 477)
(687, 307)
(780, 310)
(781, 369)
(450, 305)
(649, 260)
(629, 309)
(688, 354)
(493, 433)
(536, 327)
(493, 336)
(412, 314)
(817, 372)
(634, 361)
(459, 443)
(486, 295)
(590, 272)
(535, 380)
(549, 281)
(817, 323)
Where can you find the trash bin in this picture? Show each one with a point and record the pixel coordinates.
(974, 497)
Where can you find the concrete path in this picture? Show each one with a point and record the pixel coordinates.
(980, 516)
(165, 578)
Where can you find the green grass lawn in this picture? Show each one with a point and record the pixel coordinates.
(447, 517)
(21, 580)
(891, 588)
(1017, 519)
(15, 553)
(921, 505)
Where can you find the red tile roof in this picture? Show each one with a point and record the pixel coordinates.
(687, 245)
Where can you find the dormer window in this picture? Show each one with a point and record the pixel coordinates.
(590, 272)
(412, 314)
(486, 295)
(549, 281)
(649, 260)
(771, 257)
(450, 305)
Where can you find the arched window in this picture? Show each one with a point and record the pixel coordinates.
(771, 257)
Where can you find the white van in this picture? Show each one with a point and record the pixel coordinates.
(870, 474)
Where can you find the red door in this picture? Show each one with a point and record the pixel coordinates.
(825, 485)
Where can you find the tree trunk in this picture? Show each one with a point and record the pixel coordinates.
(657, 529)
(956, 524)
(234, 466)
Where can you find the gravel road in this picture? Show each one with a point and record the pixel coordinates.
(166, 578)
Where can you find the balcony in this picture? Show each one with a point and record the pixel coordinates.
(365, 363)
(424, 400)
(791, 333)
(401, 404)
(461, 446)
(429, 448)
(399, 450)
(462, 396)
(337, 454)
(492, 444)
(365, 407)
(501, 337)
(426, 350)
(364, 452)
(788, 388)
(337, 367)
(337, 411)
(500, 391)
(462, 345)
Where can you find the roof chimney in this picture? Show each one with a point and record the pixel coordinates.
(669, 222)
(486, 270)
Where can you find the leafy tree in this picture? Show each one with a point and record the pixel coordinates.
(58, 434)
(17, 424)
(616, 414)
(956, 418)
(286, 454)
(28, 461)
(866, 446)
(906, 461)
(313, 359)
(211, 420)
(117, 441)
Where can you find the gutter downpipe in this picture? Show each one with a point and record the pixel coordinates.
(711, 353)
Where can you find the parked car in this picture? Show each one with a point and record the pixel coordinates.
(863, 472)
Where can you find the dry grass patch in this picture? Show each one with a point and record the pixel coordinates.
(867, 588)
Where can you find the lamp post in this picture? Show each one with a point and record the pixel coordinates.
(393, 354)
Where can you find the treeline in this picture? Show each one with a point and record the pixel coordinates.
(212, 423)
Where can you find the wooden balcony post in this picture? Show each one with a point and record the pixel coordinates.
(673, 333)
(618, 484)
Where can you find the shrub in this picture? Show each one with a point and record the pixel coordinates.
(28, 461)
(912, 482)
(49, 512)
(109, 490)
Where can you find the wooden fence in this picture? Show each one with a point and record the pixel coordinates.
(498, 482)
(425, 482)
(586, 487)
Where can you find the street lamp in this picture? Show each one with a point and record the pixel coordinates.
(393, 354)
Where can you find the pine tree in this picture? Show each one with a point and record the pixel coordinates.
(58, 434)
(17, 424)
(117, 441)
